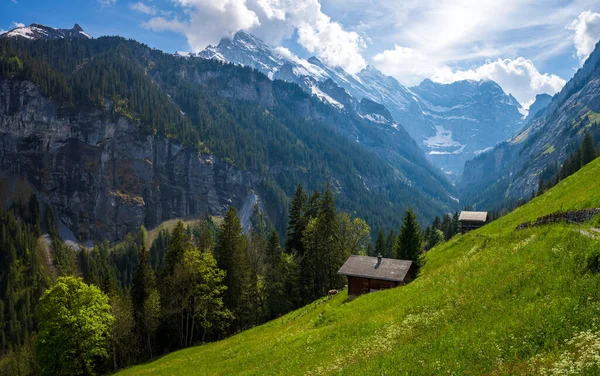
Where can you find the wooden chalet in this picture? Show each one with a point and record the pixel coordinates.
(472, 220)
(368, 274)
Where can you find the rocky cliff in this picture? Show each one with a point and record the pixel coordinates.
(101, 178)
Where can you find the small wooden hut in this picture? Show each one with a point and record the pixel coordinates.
(368, 274)
(472, 220)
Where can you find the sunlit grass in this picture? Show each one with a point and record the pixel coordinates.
(494, 301)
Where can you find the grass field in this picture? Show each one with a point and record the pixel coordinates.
(169, 225)
(494, 301)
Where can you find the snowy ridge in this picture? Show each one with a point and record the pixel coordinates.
(450, 122)
(38, 31)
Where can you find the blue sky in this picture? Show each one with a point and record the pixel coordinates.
(528, 47)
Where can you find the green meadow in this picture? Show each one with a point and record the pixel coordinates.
(494, 301)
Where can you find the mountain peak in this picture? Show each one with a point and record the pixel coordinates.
(540, 103)
(37, 31)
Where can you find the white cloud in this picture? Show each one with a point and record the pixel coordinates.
(143, 8)
(162, 24)
(518, 77)
(107, 3)
(406, 64)
(587, 33)
(18, 24)
(287, 54)
(271, 20)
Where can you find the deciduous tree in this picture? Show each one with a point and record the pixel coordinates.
(74, 328)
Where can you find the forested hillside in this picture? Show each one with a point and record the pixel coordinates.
(269, 135)
(74, 311)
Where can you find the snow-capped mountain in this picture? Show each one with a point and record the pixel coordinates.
(451, 123)
(38, 31)
(458, 121)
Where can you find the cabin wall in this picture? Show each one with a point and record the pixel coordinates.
(466, 226)
(359, 286)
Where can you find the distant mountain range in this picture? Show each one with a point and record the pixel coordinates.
(511, 170)
(451, 123)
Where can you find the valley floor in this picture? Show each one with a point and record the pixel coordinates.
(494, 301)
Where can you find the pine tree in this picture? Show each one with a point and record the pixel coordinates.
(588, 152)
(379, 244)
(409, 241)
(274, 278)
(437, 223)
(333, 255)
(296, 223)
(233, 258)
(447, 227)
(178, 243)
(455, 224)
(390, 245)
(146, 301)
(540, 189)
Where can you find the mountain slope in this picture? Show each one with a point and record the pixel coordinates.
(511, 170)
(451, 123)
(114, 134)
(494, 301)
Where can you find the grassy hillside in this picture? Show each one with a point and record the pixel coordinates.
(495, 301)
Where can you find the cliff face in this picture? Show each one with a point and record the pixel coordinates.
(99, 176)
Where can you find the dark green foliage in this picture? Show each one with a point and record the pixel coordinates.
(409, 241)
(379, 244)
(390, 245)
(296, 223)
(159, 248)
(23, 278)
(146, 302)
(277, 298)
(441, 230)
(232, 255)
(552, 174)
(588, 152)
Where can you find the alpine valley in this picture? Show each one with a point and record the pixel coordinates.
(245, 209)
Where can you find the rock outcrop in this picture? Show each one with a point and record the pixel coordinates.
(101, 178)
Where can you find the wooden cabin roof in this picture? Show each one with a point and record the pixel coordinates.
(370, 267)
(473, 216)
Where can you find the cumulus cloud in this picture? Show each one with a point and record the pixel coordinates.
(587, 33)
(406, 64)
(271, 20)
(143, 8)
(18, 24)
(518, 77)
